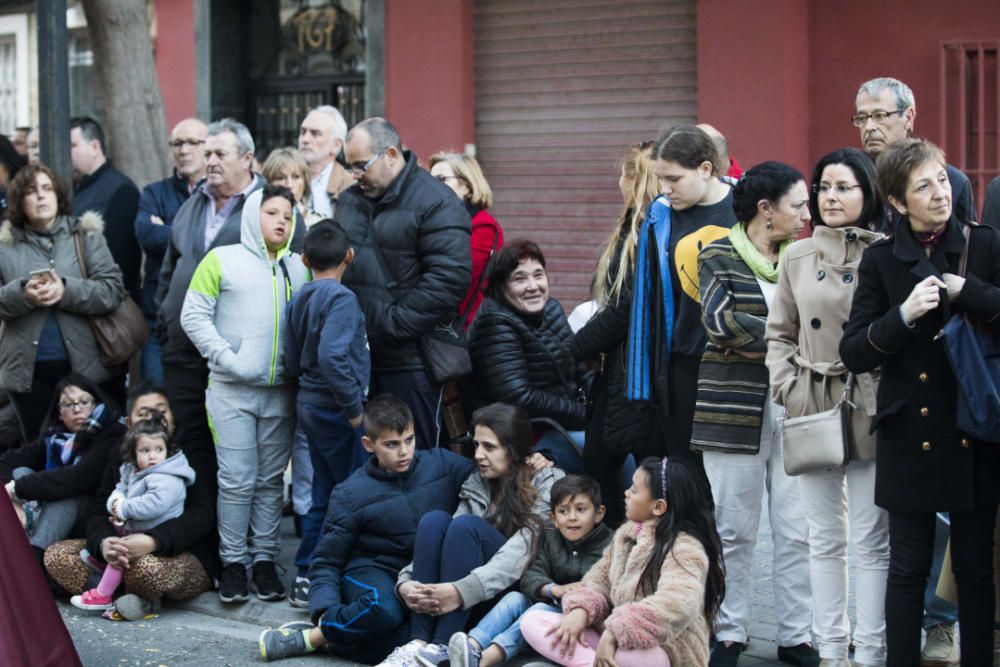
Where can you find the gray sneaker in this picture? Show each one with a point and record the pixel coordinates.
(276, 644)
(462, 652)
(432, 655)
(940, 649)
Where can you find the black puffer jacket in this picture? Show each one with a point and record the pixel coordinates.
(423, 230)
(624, 422)
(525, 360)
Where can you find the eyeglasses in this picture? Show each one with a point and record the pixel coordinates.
(193, 143)
(840, 188)
(362, 169)
(83, 404)
(859, 119)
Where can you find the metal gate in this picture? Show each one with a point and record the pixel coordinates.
(275, 109)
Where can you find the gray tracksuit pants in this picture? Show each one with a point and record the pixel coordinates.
(253, 429)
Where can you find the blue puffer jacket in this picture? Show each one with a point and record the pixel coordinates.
(373, 517)
(162, 199)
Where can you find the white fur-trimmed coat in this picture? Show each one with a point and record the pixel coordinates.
(673, 617)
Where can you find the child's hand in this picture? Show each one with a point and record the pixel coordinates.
(569, 632)
(606, 649)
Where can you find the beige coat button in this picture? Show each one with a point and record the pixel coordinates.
(965, 442)
(926, 446)
(922, 377)
(924, 412)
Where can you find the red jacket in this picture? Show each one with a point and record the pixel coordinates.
(485, 230)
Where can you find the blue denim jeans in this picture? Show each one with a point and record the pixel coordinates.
(566, 453)
(502, 625)
(336, 452)
(936, 610)
(445, 550)
(150, 366)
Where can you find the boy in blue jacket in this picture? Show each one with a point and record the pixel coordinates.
(328, 350)
(368, 538)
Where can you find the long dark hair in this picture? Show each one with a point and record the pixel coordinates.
(52, 418)
(689, 510)
(513, 496)
(872, 212)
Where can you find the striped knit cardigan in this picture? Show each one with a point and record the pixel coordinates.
(733, 379)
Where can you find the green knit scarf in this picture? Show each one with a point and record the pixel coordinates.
(760, 265)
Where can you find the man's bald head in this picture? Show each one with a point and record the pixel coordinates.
(187, 143)
(720, 145)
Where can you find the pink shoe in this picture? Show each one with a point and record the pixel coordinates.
(91, 601)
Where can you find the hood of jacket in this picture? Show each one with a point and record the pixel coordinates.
(177, 465)
(91, 221)
(250, 235)
(842, 246)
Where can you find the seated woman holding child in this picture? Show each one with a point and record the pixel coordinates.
(175, 559)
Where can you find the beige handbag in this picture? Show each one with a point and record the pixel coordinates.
(820, 440)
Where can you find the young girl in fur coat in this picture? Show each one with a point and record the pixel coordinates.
(651, 599)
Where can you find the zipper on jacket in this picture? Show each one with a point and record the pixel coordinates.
(274, 341)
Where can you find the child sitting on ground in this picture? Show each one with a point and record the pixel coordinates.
(328, 351)
(368, 536)
(153, 487)
(656, 589)
(566, 553)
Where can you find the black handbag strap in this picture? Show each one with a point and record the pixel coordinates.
(482, 277)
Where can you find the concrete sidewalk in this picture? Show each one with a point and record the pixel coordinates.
(206, 633)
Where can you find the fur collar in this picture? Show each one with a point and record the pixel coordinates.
(90, 221)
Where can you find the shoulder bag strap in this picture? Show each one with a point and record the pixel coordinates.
(482, 278)
(78, 240)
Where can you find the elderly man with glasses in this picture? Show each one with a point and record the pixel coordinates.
(413, 265)
(158, 205)
(885, 111)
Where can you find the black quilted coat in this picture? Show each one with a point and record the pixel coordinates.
(525, 360)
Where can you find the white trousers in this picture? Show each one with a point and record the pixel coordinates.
(840, 506)
(738, 485)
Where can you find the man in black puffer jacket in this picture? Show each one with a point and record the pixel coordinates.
(412, 262)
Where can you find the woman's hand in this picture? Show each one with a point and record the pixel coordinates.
(537, 462)
(606, 649)
(954, 284)
(416, 596)
(445, 598)
(44, 291)
(138, 545)
(925, 297)
(568, 632)
(114, 552)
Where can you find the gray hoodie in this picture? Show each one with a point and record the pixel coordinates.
(147, 498)
(234, 311)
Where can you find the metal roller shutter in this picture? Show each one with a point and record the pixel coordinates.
(562, 87)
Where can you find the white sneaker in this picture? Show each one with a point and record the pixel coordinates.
(403, 656)
(940, 649)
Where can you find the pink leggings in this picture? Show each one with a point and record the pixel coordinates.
(535, 624)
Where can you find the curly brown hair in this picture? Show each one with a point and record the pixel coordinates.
(23, 182)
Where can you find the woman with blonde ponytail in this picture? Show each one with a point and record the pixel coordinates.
(617, 425)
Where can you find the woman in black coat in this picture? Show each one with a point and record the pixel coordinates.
(519, 344)
(907, 290)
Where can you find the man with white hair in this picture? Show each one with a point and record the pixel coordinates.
(885, 111)
(321, 138)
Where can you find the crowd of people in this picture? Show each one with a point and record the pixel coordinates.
(311, 311)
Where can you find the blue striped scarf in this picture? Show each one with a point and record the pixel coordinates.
(640, 328)
(62, 446)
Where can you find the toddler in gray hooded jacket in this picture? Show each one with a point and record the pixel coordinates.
(153, 487)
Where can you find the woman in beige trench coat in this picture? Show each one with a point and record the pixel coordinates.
(804, 327)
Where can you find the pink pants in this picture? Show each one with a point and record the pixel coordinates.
(535, 624)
